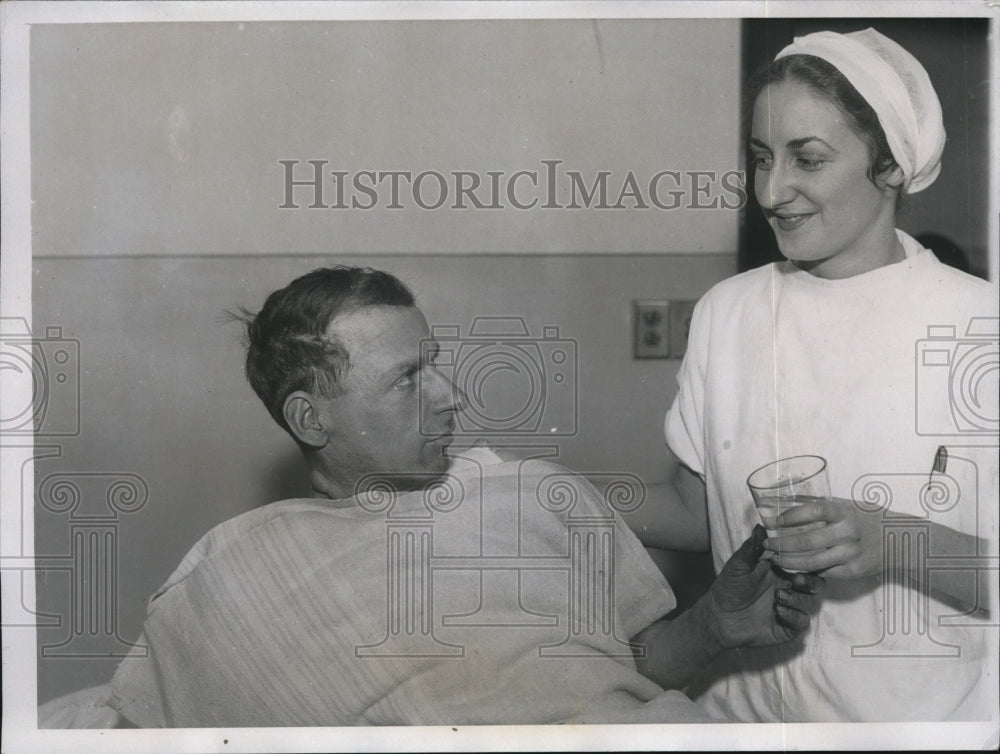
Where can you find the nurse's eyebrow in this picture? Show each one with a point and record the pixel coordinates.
(793, 144)
(799, 143)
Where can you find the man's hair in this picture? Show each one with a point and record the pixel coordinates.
(288, 347)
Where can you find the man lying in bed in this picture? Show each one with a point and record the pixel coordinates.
(417, 586)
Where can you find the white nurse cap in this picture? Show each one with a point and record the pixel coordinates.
(897, 88)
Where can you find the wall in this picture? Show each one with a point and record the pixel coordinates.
(165, 139)
(156, 190)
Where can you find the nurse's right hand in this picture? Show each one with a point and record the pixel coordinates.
(847, 544)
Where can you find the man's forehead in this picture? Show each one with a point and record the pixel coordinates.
(380, 332)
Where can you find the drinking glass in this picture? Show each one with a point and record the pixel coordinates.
(785, 484)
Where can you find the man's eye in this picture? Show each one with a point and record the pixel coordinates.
(431, 354)
(407, 380)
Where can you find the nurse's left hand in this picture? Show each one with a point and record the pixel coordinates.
(847, 545)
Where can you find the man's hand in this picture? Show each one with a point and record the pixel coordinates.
(750, 605)
(747, 605)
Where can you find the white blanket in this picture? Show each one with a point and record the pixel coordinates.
(504, 595)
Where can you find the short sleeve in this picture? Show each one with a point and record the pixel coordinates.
(684, 425)
(642, 594)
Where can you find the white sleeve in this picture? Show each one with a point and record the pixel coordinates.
(684, 425)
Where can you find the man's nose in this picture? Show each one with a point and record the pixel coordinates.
(459, 399)
(445, 394)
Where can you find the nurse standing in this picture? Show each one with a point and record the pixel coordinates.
(817, 355)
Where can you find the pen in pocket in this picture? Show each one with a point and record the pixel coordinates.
(940, 461)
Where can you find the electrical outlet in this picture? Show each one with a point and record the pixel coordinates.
(680, 326)
(651, 329)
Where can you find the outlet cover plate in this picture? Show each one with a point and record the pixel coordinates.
(650, 329)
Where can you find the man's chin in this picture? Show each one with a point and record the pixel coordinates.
(437, 453)
(436, 467)
(400, 481)
(439, 464)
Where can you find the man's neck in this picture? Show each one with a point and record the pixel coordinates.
(323, 486)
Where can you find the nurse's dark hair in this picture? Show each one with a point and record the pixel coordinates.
(829, 83)
(288, 346)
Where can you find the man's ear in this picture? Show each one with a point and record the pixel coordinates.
(303, 419)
